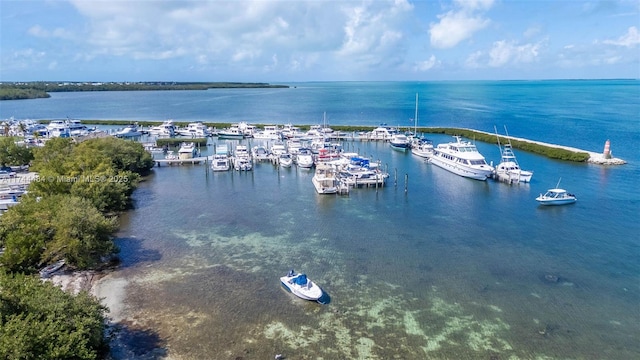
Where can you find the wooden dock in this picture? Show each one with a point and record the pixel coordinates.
(193, 161)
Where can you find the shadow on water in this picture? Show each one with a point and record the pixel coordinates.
(129, 341)
(324, 299)
(132, 252)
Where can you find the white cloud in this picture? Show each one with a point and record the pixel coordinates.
(453, 28)
(503, 53)
(426, 65)
(459, 24)
(629, 40)
(40, 32)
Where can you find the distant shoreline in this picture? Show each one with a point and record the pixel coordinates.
(41, 89)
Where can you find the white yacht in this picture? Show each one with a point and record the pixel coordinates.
(128, 131)
(382, 132)
(325, 180)
(242, 159)
(167, 128)
(509, 170)
(461, 158)
(187, 151)
(194, 129)
(422, 148)
(399, 142)
(76, 128)
(58, 128)
(231, 133)
(270, 132)
(221, 161)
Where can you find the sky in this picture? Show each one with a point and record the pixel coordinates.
(280, 41)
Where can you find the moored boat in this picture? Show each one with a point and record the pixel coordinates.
(399, 142)
(461, 158)
(232, 133)
(324, 179)
(129, 131)
(422, 148)
(187, 151)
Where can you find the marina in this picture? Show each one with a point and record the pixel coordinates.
(446, 267)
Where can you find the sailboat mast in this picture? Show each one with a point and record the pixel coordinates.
(415, 127)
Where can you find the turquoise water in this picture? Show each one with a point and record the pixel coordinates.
(436, 267)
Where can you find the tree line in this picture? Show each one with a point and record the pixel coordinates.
(70, 212)
(40, 89)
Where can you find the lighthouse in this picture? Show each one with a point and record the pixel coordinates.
(607, 150)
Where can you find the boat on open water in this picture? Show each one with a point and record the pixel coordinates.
(556, 196)
(301, 286)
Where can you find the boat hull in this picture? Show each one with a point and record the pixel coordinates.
(311, 291)
(555, 202)
(472, 173)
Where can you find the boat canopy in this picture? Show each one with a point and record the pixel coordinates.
(360, 161)
(300, 280)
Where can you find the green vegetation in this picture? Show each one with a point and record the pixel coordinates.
(40, 321)
(68, 214)
(105, 171)
(44, 230)
(8, 93)
(12, 153)
(39, 89)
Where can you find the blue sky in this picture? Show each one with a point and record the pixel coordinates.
(298, 40)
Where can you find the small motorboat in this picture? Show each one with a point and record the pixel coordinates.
(301, 286)
(50, 269)
(556, 196)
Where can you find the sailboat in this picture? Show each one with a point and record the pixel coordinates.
(420, 146)
(508, 170)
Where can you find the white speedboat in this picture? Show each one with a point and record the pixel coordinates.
(556, 196)
(461, 158)
(285, 160)
(260, 153)
(129, 131)
(304, 158)
(301, 286)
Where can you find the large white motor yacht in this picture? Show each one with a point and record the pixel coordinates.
(461, 158)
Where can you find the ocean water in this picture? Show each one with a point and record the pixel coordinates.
(431, 266)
